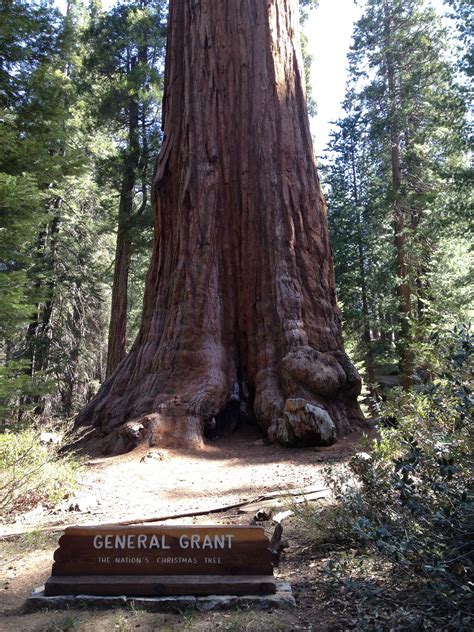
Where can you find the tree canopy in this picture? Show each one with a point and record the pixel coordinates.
(80, 98)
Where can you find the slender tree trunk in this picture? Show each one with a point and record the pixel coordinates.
(118, 313)
(367, 339)
(144, 150)
(240, 296)
(422, 283)
(32, 332)
(48, 307)
(402, 270)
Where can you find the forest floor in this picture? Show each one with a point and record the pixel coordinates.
(135, 486)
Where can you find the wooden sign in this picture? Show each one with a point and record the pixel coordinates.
(165, 560)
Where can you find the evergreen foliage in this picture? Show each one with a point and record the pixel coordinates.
(408, 504)
(399, 184)
(80, 107)
(462, 13)
(62, 153)
(399, 194)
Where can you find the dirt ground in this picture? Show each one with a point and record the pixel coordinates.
(149, 483)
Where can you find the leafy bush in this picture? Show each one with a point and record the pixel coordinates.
(409, 500)
(33, 472)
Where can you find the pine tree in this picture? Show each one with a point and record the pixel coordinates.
(360, 238)
(27, 41)
(53, 249)
(414, 117)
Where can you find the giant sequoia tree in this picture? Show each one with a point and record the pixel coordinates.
(239, 302)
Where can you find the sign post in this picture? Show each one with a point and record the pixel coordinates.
(162, 560)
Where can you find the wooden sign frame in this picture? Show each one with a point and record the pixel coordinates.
(145, 560)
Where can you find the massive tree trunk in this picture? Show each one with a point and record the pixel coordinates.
(240, 301)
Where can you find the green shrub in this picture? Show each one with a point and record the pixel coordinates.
(409, 500)
(18, 387)
(32, 472)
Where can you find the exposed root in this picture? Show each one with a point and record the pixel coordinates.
(308, 399)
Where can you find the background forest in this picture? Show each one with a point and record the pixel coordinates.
(80, 98)
(80, 106)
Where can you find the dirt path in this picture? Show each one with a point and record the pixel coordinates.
(150, 482)
(136, 486)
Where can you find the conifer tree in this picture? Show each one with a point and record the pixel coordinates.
(126, 54)
(414, 112)
(407, 116)
(27, 41)
(53, 214)
(239, 301)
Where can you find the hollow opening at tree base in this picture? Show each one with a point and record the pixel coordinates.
(235, 418)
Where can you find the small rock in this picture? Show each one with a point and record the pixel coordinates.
(282, 515)
(153, 455)
(360, 462)
(83, 504)
(262, 515)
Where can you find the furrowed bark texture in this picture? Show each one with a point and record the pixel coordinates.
(118, 313)
(240, 301)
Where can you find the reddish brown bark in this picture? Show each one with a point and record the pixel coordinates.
(240, 300)
(118, 311)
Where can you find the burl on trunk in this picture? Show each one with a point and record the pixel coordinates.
(240, 301)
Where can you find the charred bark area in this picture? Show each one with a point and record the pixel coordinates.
(240, 296)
